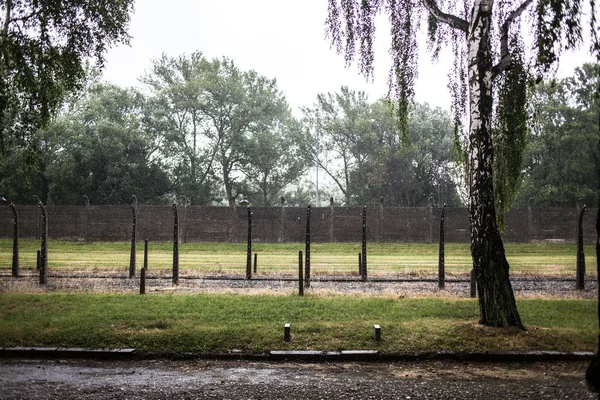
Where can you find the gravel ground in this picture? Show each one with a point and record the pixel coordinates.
(524, 287)
(23, 379)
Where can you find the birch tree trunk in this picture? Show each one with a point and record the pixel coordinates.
(496, 298)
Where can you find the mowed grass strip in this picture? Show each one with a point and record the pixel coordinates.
(201, 323)
(550, 259)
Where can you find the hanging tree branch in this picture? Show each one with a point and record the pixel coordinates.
(449, 19)
(505, 55)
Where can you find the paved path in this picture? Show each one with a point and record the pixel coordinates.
(83, 379)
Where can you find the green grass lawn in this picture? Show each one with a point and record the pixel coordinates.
(169, 322)
(548, 259)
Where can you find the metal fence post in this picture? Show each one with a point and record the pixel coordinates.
(359, 264)
(143, 281)
(44, 249)
(364, 244)
(307, 250)
(580, 252)
(249, 249)
(15, 255)
(133, 237)
(175, 245)
(441, 256)
(300, 275)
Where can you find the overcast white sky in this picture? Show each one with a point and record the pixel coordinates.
(281, 39)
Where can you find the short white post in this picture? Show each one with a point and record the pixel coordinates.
(377, 331)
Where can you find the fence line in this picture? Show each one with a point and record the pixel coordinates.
(287, 224)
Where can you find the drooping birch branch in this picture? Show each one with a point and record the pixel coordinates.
(505, 55)
(449, 19)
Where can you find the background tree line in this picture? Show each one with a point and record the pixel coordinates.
(203, 131)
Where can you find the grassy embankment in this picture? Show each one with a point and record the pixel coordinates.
(548, 259)
(255, 323)
(163, 322)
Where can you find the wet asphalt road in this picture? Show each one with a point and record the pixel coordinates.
(160, 379)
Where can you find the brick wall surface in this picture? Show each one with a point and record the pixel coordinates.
(288, 224)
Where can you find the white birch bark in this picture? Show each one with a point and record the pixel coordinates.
(496, 299)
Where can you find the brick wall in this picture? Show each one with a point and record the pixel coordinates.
(288, 224)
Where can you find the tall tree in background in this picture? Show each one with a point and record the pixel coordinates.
(178, 84)
(238, 105)
(489, 69)
(43, 46)
(559, 165)
(210, 111)
(411, 172)
(346, 137)
(103, 149)
(274, 160)
(361, 150)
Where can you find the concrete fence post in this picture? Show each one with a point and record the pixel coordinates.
(307, 250)
(249, 248)
(44, 249)
(15, 252)
(441, 255)
(364, 244)
(133, 237)
(143, 281)
(580, 252)
(300, 275)
(146, 254)
(175, 245)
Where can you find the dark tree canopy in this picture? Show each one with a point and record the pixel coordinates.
(44, 45)
(105, 149)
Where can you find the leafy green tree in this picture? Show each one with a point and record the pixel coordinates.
(346, 139)
(23, 172)
(178, 117)
(211, 111)
(559, 166)
(490, 69)
(361, 150)
(411, 172)
(241, 107)
(43, 48)
(274, 160)
(102, 149)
